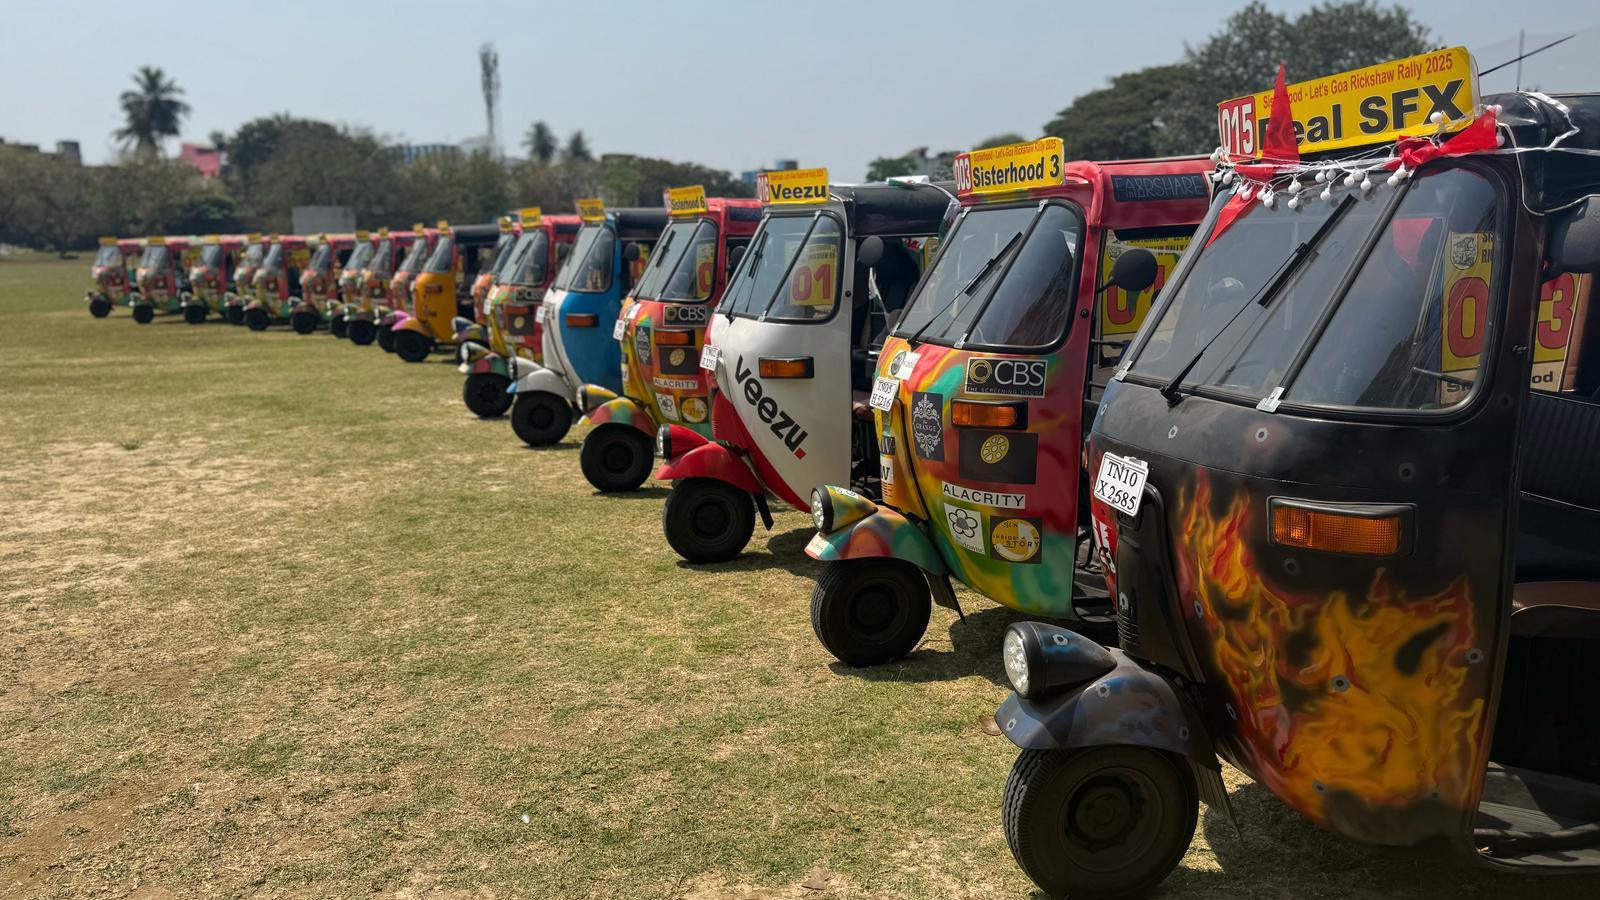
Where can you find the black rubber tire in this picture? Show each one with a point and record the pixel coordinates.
(412, 347)
(303, 322)
(540, 418)
(362, 332)
(99, 307)
(338, 327)
(234, 314)
(143, 313)
(257, 319)
(194, 313)
(708, 521)
(869, 611)
(1052, 795)
(616, 458)
(485, 394)
(385, 338)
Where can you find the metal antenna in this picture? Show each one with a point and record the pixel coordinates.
(489, 69)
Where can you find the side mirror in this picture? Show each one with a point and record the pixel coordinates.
(734, 255)
(632, 251)
(869, 251)
(1134, 271)
(1574, 244)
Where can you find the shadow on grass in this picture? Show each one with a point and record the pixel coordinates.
(784, 550)
(652, 492)
(974, 650)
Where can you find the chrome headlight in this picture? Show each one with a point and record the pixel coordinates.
(821, 510)
(1015, 657)
(1040, 659)
(511, 367)
(664, 442)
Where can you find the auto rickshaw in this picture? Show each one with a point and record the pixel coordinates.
(276, 285)
(319, 281)
(377, 283)
(791, 348)
(577, 318)
(211, 276)
(1344, 480)
(162, 276)
(983, 390)
(474, 328)
(661, 330)
(113, 282)
(512, 311)
(239, 293)
(349, 285)
(442, 291)
(405, 275)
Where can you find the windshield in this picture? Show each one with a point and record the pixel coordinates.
(500, 255)
(211, 256)
(1004, 279)
(684, 264)
(382, 258)
(593, 257)
(109, 255)
(274, 260)
(1389, 320)
(415, 256)
(154, 257)
(528, 261)
(440, 260)
(791, 271)
(252, 256)
(359, 257)
(321, 258)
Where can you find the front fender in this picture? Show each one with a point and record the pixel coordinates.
(623, 411)
(410, 324)
(488, 364)
(1129, 705)
(711, 460)
(468, 330)
(883, 532)
(540, 379)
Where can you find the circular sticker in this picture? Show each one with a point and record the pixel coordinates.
(676, 357)
(994, 448)
(1016, 540)
(519, 322)
(694, 409)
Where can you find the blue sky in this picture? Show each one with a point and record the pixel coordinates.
(730, 84)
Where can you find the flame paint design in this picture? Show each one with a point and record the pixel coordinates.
(1370, 697)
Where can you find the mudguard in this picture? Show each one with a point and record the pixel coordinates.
(1129, 705)
(623, 411)
(489, 363)
(468, 330)
(883, 533)
(539, 379)
(711, 460)
(410, 324)
(396, 320)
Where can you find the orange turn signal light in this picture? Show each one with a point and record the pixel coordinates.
(582, 320)
(972, 414)
(674, 338)
(797, 367)
(1337, 531)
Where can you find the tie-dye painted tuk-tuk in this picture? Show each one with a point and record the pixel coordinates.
(112, 274)
(1345, 482)
(984, 389)
(511, 310)
(244, 273)
(792, 347)
(349, 286)
(374, 296)
(211, 276)
(319, 281)
(275, 287)
(163, 275)
(662, 328)
(576, 318)
(441, 292)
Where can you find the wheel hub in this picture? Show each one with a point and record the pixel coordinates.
(710, 519)
(1106, 818)
(617, 456)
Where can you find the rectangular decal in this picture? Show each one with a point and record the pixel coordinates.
(998, 456)
(883, 391)
(1147, 188)
(1006, 377)
(1121, 315)
(965, 526)
(679, 361)
(1015, 539)
(668, 406)
(1468, 264)
(686, 201)
(793, 186)
(927, 425)
(709, 354)
(618, 328)
(900, 367)
(675, 384)
(641, 344)
(1014, 167)
(1563, 309)
(983, 497)
(685, 315)
(886, 471)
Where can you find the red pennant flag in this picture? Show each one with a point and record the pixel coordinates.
(1279, 152)
(1481, 135)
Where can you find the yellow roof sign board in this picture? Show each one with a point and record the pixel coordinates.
(1374, 105)
(793, 186)
(1011, 168)
(530, 216)
(686, 201)
(591, 209)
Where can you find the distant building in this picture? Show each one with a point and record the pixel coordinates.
(937, 166)
(781, 165)
(207, 160)
(410, 153)
(66, 151)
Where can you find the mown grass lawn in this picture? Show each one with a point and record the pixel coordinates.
(278, 617)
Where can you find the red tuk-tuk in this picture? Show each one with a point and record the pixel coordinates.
(319, 281)
(376, 285)
(277, 283)
(112, 274)
(163, 276)
(211, 276)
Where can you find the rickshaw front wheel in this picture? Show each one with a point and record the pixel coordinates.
(869, 611)
(143, 313)
(234, 314)
(362, 332)
(485, 394)
(1102, 822)
(412, 347)
(616, 458)
(338, 327)
(194, 314)
(385, 338)
(99, 307)
(303, 322)
(257, 319)
(708, 521)
(540, 418)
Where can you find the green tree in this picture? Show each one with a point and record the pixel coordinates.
(1127, 120)
(152, 112)
(577, 149)
(886, 167)
(540, 143)
(1000, 140)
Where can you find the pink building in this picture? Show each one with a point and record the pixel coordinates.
(207, 159)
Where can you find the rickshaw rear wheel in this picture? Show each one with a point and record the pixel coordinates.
(99, 307)
(143, 313)
(708, 521)
(303, 322)
(234, 314)
(869, 611)
(338, 327)
(1103, 822)
(540, 418)
(412, 347)
(385, 338)
(362, 332)
(194, 314)
(257, 319)
(485, 394)
(616, 457)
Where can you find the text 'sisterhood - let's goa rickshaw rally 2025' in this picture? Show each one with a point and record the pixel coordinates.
(1292, 444)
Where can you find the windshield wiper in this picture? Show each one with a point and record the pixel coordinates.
(755, 260)
(967, 290)
(1265, 294)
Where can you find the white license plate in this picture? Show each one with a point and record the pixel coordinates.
(1120, 482)
(618, 329)
(709, 354)
(883, 391)
(817, 545)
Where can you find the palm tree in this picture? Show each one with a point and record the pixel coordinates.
(153, 112)
(541, 142)
(578, 148)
